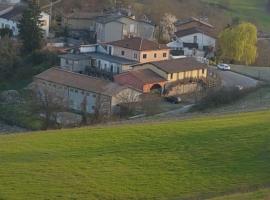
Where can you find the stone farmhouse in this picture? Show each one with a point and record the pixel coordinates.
(83, 93)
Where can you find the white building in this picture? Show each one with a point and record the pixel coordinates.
(93, 58)
(10, 16)
(194, 42)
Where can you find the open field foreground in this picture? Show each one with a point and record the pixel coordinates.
(198, 158)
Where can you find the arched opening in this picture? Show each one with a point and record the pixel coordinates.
(156, 89)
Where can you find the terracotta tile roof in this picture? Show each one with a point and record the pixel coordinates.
(138, 44)
(190, 31)
(179, 65)
(79, 81)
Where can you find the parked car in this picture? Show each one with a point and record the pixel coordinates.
(224, 67)
(173, 99)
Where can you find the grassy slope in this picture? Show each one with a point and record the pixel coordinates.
(206, 156)
(251, 10)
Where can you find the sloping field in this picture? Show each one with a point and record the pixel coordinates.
(197, 158)
(250, 10)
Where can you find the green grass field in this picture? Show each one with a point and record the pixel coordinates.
(250, 10)
(204, 157)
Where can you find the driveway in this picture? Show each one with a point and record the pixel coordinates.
(232, 79)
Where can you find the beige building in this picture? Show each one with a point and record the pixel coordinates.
(177, 69)
(166, 75)
(138, 49)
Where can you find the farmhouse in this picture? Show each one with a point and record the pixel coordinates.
(83, 93)
(155, 76)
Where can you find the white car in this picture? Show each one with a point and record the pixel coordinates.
(224, 67)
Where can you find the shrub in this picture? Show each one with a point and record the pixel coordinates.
(223, 96)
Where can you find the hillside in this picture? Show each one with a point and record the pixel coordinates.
(220, 12)
(203, 157)
(250, 10)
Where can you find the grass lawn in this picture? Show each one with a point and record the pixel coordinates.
(250, 10)
(201, 157)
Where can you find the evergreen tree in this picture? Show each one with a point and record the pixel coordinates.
(30, 31)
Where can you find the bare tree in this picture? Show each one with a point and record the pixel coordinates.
(48, 104)
(128, 101)
(167, 27)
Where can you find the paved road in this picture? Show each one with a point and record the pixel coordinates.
(232, 79)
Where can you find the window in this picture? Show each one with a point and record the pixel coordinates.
(155, 55)
(203, 71)
(164, 55)
(135, 56)
(122, 53)
(99, 64)
(110, 50)
(112, 68)
(118, 70)
(195, 39)
(171, 76)
(144, 56)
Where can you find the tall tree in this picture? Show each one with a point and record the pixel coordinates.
(30, 31)
(239, 43)
(8, 57)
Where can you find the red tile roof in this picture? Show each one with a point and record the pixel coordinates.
(138, 44)
(139, 79)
